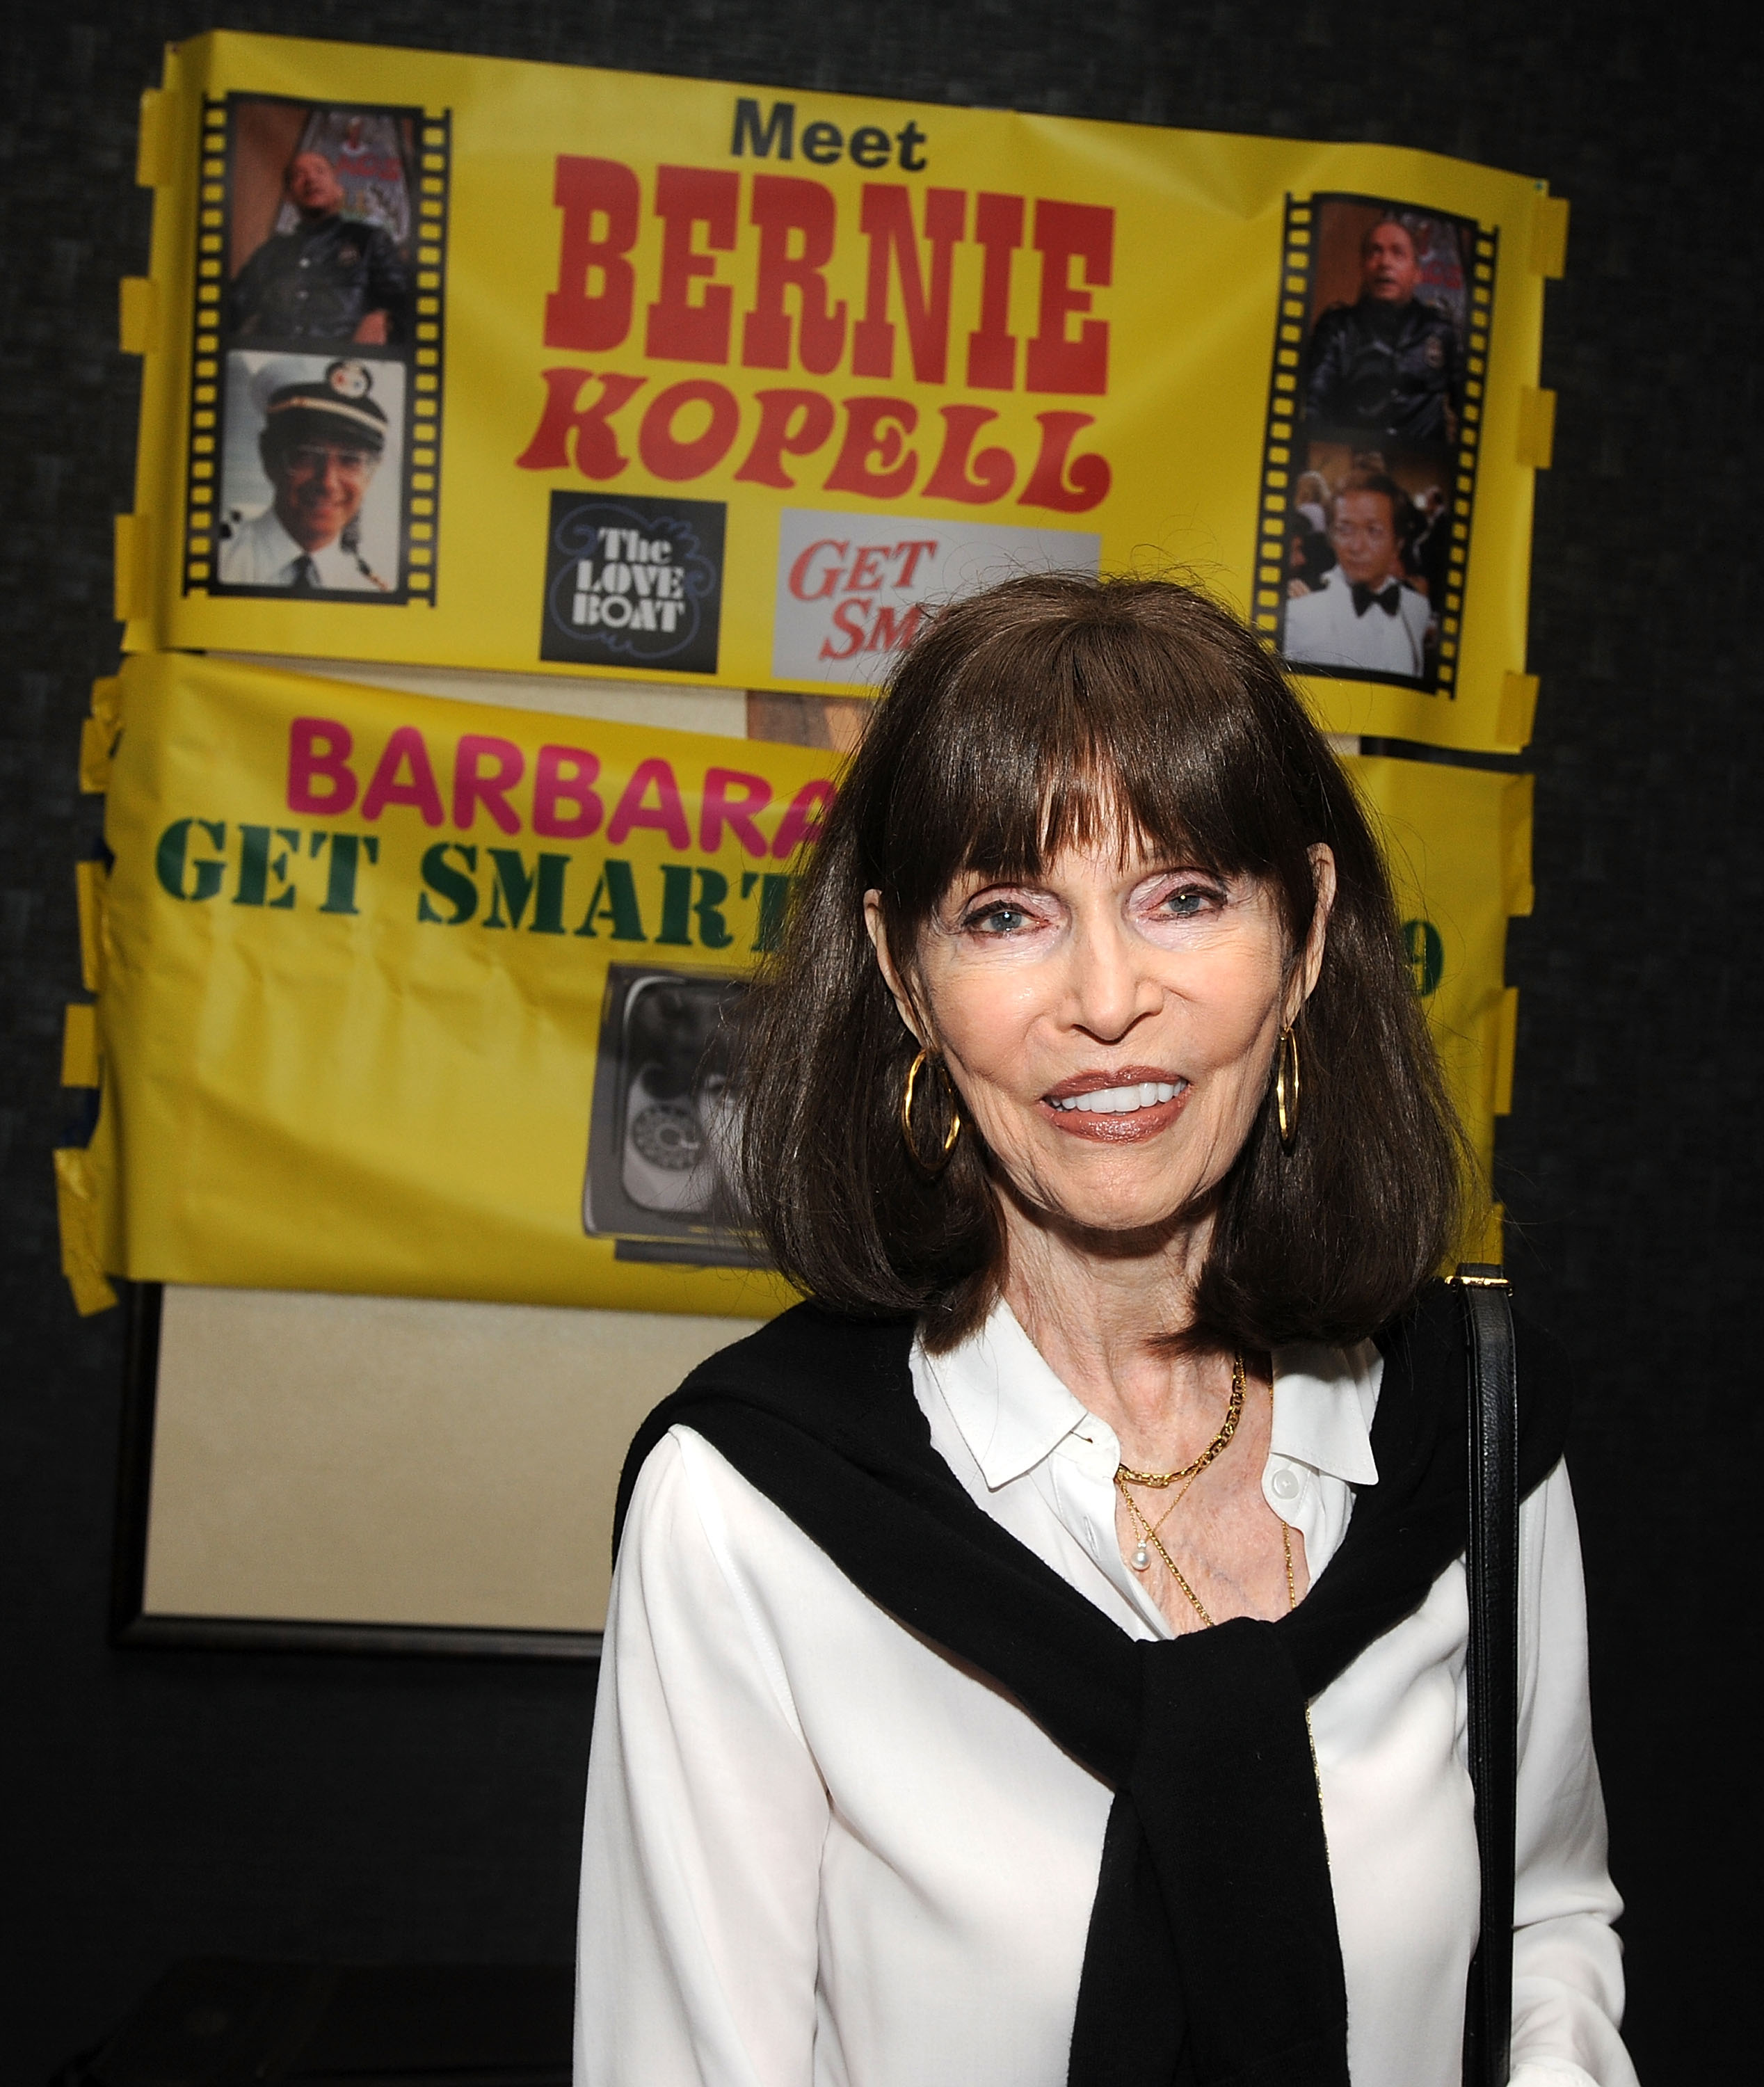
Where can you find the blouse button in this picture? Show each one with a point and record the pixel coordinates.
(1285, 1485)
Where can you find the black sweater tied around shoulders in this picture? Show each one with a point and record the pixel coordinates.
(1212, 1958)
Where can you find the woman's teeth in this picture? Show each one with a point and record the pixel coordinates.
(1122, 1101)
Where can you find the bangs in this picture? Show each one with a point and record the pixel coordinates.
(1100, 733)
(1085, 796)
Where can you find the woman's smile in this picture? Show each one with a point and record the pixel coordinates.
(1117, 1107)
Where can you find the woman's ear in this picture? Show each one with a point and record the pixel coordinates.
(879, 942)
(1323, 870)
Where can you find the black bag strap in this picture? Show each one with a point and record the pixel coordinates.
(1492, 1564)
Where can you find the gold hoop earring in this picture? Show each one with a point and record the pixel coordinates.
(1286, 1087)
(931, 1169)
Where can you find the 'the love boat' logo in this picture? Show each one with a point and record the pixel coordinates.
(633, 582)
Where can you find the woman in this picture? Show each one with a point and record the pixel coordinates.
(1040, 1657)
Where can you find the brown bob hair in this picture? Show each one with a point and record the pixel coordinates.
(1053, 710)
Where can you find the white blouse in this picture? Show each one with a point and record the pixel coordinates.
(819, 1853)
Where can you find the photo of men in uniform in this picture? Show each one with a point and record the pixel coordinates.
(1364, 613)
(1375, 476)
(330, 279)
(312, 436)
(1391, 363)
(318, 326)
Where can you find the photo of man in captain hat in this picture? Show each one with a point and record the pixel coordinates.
(322, 439)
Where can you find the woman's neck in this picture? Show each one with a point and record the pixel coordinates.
(1100, 1311)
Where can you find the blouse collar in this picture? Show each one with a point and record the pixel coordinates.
(1012, 1411)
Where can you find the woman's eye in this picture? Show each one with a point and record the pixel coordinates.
(998, 918)
(1188, 901)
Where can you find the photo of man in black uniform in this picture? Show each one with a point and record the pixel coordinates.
(331, 281)
(1391, 362)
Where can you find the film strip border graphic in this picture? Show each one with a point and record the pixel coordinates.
(207, 381)
(424, 360)
(1285, 421)
(423, 489)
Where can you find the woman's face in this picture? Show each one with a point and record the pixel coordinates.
(1110, 1028)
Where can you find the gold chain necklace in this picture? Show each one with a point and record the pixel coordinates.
(1149, 1535)
(1141, 1559)
(1157, 1480)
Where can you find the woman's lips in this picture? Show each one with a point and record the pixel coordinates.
(1116, 1108)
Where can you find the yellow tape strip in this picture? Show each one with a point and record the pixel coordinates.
(131, 567)
(153, 141)
(1537, 427)
(1518, 713)
(98, 734)
(1505, 1026)
(138, 315)
(1549, 236)
(89, 881)
(97, 743)
(76, 1207)
(80, 1045)
(1516, 825)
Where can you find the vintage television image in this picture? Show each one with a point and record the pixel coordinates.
(311, 475)
(662, 1120)
(316, 365)
(630, 581)
(1374, 412)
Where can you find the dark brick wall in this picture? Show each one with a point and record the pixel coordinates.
(160, 1805)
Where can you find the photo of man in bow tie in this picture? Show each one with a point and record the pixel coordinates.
(1364, 613)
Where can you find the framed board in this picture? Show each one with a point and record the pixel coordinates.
(308, 1472)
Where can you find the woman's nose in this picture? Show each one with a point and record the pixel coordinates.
(1111, 989)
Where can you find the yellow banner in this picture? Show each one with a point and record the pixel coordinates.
(1459, 843)
(460, 361)
(412, 996)
(405, 996)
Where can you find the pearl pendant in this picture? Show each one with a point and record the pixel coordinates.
(1142, 1559)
